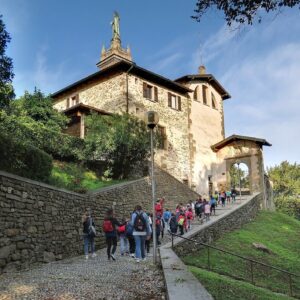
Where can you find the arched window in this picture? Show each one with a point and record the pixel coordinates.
(213, 101)
(204, 94)
(196, 93)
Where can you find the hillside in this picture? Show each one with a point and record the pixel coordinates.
(77, 178)
(278, 232)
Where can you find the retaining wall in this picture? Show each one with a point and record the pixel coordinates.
(41, 223)
(225, 223)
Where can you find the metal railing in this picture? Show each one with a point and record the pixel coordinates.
(252, 261)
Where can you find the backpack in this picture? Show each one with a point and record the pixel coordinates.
(91, 229)
(139, 222)
(122, 229)
(181, 221)
(107, 226)
(129, 229)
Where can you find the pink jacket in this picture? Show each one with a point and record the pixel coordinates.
(207, 209)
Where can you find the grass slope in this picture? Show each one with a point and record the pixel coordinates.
(224, 288)
(77, 178)
(279, 232)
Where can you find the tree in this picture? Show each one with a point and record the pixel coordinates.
(6, 66)
(243, 11)
(286, 186)
(286, 179)
(122, 141)
(32, 120)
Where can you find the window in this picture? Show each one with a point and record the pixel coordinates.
(162, 137)
(174, 101)
(150, 92)
(196, 91)
(213, 101)
(204, 94)
(73, 100)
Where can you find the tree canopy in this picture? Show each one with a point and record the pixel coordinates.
(6, 69)
(242, 12)
(122, 141)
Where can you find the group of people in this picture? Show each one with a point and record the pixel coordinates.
(135, 232)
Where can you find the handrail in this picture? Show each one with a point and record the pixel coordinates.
(252, 261)
(237, 255)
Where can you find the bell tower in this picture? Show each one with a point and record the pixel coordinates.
(115, 53)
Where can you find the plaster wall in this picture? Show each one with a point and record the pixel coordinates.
(206, 128)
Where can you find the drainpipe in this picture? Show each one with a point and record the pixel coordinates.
(127, 91)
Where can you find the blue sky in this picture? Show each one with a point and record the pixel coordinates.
(57, 42)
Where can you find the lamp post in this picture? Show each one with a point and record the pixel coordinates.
(238, 163)
(151, 121)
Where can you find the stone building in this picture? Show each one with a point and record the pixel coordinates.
(190, 108)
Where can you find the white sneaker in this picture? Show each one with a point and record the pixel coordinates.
(132, 255)
(137, 260)
(86, 257)
(113, 257)
(94, 255)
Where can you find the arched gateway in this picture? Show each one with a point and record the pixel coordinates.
(238, 149)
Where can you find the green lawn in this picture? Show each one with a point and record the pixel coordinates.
(224, 288)
(279, 232)
(77, 178)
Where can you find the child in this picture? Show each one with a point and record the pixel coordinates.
(123, 238)
(189, 218)
(206, 210)
(173, 223)
(181, 222)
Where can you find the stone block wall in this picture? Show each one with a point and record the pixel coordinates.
(234, 220)
(41, 223)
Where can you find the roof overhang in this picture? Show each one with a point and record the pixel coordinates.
(82, 108)
(124, 67)
(205, 78)
(234, 138)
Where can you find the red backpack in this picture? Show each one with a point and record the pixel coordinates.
(122, 229)
(107, 226)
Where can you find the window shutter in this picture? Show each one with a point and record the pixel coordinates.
(68, 102)
(179, 103)
(169, 100)
(155, 94)
(77, 98)
(145, 89)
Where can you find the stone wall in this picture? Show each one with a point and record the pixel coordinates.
(40, 223)
(226, 223)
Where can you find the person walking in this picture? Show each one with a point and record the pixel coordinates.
(166, 217)
(173, 223)
(109, 226)
(212, 203)
(206, 210)
(129, 235)
(124, 247)
(233, 195)
(88, 234)
(141, 232)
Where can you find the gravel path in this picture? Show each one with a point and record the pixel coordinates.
(77, 278)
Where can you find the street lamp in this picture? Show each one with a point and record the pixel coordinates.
(151, 118)
(238, 163)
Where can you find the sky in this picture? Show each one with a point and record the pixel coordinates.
(55, 43)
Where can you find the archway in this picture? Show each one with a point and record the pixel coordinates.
(239, 177)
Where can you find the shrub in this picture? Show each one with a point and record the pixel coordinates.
(289, 205)
(24, 160)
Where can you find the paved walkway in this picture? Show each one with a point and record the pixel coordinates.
(96, 278)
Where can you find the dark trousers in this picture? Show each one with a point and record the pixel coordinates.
(131, 244)
(181, 229)
(147, 245)
(111, 241)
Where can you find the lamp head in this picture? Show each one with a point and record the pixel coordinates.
(151, 119)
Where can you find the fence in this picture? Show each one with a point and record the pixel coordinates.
(252, 264)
